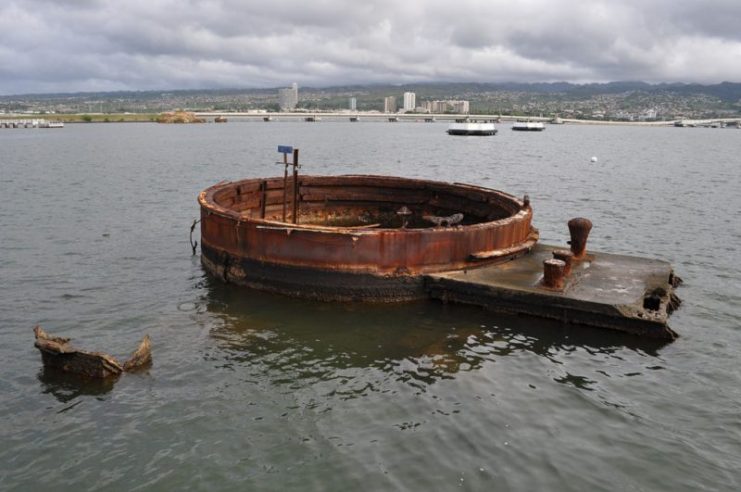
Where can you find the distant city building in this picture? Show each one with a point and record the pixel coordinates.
(452, 106)
(459, 106)
(410, 101)
(649, 114)
(389, 104)
(353, 104)
(288, 98)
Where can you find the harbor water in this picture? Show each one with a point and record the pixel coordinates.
(251, 391)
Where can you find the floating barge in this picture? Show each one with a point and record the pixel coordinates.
(528, 126)
(472, 128)
(389, 239)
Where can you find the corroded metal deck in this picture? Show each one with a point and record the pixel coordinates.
(625, 293)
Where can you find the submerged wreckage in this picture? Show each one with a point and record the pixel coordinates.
(383, 239)
(57, 353)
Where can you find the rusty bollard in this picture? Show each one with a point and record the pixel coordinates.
(567, 257)
(579, 229)
(553, 273)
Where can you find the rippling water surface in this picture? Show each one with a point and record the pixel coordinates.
(251, 391)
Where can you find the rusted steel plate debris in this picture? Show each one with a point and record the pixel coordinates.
(57, 353)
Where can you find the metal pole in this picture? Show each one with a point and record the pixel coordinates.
(264, 198)
(295, 186)
(285, 184)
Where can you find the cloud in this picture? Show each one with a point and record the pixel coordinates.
(81, 45)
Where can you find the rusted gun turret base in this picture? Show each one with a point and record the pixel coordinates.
(624, 293)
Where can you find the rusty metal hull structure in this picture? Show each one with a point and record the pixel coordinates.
(347, 239)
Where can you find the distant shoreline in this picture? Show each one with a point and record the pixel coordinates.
(368, 116)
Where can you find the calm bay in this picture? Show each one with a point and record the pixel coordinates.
(251, 391)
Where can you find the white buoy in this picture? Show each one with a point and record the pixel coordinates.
(594, 158)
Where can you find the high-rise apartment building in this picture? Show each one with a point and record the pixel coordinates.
(353, 104)
(410, 101)
(455, 106)
(460, 106)
(389, 104)
(288, 98)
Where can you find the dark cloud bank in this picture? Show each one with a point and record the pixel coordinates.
(103, 45)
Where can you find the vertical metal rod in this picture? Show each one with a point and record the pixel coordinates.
(285, 184)
(295, 186)
(264, 186)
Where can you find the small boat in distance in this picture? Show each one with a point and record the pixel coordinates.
(465, 127)
(51, 124)
(528, 126)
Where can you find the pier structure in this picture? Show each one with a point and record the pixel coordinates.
(29, 123)
(715, 123)
(19, 123)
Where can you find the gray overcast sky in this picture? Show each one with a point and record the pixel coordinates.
(91, 45)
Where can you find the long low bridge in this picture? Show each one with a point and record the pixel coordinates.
(352, 116)
(430, 118)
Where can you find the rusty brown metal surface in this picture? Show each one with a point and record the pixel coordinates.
(553, 273)
(384, 239)
(58, 354)
(349, 224)
(567, 257)
(579, 230)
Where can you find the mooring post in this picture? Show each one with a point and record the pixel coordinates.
(553, 273)
(567, 257)
(579, 230)
(295, 186)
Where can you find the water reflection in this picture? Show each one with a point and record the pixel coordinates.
(66, 387)
(419, 343)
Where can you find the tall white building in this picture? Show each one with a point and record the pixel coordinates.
(410, 101)
(353, 104)
(288, 98)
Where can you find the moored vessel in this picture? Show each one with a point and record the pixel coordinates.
(528, 126)
(472, 128)
(51, 124)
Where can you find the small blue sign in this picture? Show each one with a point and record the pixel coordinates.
(285, 149)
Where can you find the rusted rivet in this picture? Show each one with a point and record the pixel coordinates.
(567, 257)
(579, 229)
(553, 273)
